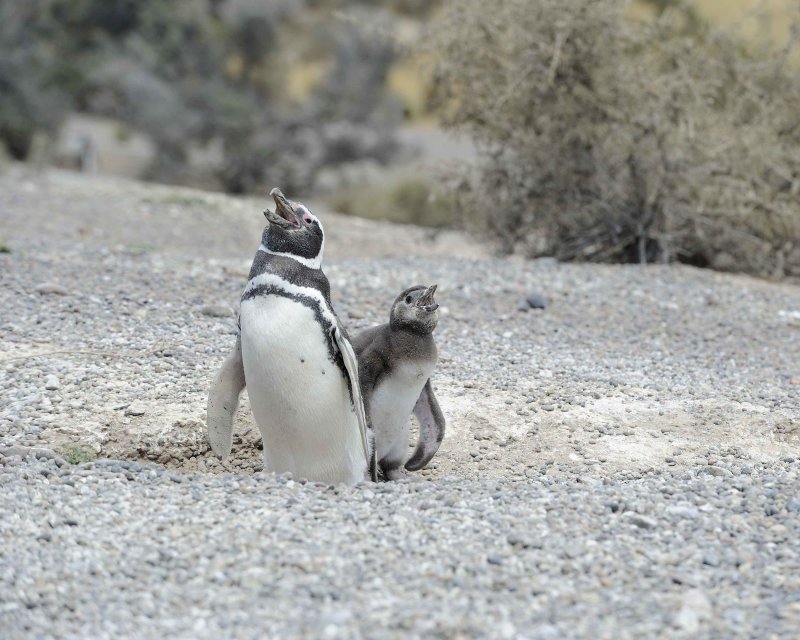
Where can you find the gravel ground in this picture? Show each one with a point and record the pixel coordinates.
(621, 463)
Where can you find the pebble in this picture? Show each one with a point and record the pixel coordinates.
(641, 521)
(51, 383)
(22, 452)
(711, 559)
(536, 300)
(216, 310)
(51, 288)
(718, 471)
(682, 511)
(135, 409)
(695, 609)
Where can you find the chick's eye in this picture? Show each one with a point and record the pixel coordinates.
(307, 219)
(408, 299)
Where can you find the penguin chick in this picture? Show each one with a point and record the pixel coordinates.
(395, 363)
(296, 360)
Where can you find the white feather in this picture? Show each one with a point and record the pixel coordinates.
(271, 279)
(392, 403)
(311, 263)
(306, 419)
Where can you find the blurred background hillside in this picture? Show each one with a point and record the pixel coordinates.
(646, 131)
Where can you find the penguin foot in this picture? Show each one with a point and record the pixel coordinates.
(395, 473)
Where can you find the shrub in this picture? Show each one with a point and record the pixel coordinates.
(31, 98)
(75, 454)
(609, 139)
(400, 196)
(196, 73)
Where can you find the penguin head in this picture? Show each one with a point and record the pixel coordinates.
(292, 229)
(415, 310)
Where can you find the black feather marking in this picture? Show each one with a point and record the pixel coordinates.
(334, 355)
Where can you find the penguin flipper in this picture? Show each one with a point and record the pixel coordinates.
(223, 400)
(431, 428)
(351, 365)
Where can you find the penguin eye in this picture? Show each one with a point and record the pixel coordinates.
(307, 219)
(408, 299)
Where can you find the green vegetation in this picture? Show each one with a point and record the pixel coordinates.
(75, 454)
(399, 197)
(610, 139)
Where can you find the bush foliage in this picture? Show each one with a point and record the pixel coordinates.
(192, 72)
(605, 138)
(402, 196)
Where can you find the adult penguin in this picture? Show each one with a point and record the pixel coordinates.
(296, 360)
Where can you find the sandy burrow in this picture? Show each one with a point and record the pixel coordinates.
(485, 437)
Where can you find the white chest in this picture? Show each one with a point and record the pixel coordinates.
(395, 396)
(299, 397)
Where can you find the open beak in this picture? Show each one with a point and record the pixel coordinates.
(426, 302)
(284, 215)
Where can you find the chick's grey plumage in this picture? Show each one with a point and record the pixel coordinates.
(395, 363)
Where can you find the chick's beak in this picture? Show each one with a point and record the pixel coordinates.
(426, 301)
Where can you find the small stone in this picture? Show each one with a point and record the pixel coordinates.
(720, 472)
(548, 407)
(695, 608)
(216, 310)
(735, 616)
(51, 288)
(711, 559)
(22, 452)
(524, 542)
(135, 409)
(536, 300)
(643, 522)
(684, 512)
(51, 383)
